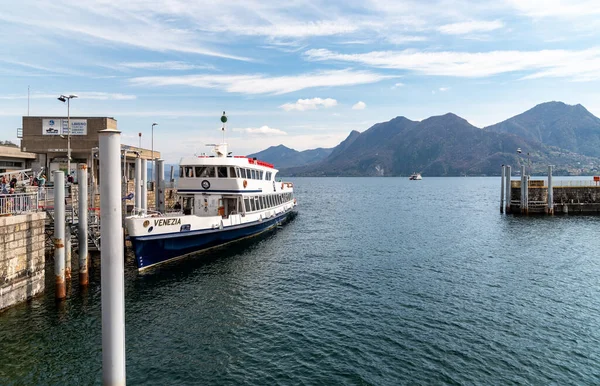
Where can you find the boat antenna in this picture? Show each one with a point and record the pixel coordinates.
(224, 120)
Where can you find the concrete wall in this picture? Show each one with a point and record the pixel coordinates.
(22, 257)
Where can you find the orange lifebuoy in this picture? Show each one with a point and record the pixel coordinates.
(245, 183)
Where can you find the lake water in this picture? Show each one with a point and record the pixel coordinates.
(380, 281)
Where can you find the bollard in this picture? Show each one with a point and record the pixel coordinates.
(522, 189)
(82, 226)
(138, 184)
(502, 181)
(68, 251)
(59, 234)
(112, 266)
(508, 189)
(159, 189)
(144, 186)
(550, 203)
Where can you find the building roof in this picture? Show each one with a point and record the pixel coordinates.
(14, 152)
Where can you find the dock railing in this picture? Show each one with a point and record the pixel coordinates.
(19, 203)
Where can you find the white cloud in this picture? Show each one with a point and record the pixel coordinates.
(168, 65)
(443, 89)
(578, 65)
(556, 8)
(359, 106)
(263, 130)
(396, 85)
(464, 28)
(263, 84)
(309, 104)
(293, 29)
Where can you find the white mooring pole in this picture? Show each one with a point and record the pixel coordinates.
(159, 186)
(59, 234)
(502, 190)
(112, 260)
(508, 189)
(550, 191)
(82, 226)
(144, 186)
(138, 184)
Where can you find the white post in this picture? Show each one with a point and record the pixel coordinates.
(502, 190)
(144, 186)
(112, 261)
(82, 226)
(523, 188)
(508, 189)
(68, 252)
(138, 184)
(59, 234)
(159, 190)
(550, 192)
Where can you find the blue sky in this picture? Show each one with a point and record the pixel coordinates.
(299, 73)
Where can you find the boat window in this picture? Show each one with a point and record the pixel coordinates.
(271, 200)
(231, 172)
(253, 174)
(181, 172)
(222, 171)
(263, 203)
(205, 171)
(238, 173)
(247, 204)
(252, 206)
(189, 172)
(261, 176)
(243, 171)
(268, 176)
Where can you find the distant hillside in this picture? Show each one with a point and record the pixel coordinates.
(284, 157)
(444, 145)
(556, 124)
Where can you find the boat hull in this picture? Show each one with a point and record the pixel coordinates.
(157, 249)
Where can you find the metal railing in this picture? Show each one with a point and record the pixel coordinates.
(18, 203)
(557, 183)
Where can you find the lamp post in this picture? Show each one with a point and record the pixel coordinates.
(154, 124)
(67, 98)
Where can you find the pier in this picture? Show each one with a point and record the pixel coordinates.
(549, 196)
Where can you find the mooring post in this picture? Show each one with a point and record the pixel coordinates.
(159, 190)
(68, 251)
(508, 189)
(82, 225)
(527, 194)
(144, 186)
(112, 262)
(550, 203)
(172, 179)
(523, 190)
(59, 234)
(138, 184)
(502, 190)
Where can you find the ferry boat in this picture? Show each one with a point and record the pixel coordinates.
(415, 176)
(223, 198)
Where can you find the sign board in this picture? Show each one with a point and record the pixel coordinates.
(60, 126)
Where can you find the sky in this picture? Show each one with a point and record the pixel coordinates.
(301, 73)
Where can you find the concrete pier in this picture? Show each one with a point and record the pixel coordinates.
(59, 234)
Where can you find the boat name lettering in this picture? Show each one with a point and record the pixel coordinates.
(166, 222)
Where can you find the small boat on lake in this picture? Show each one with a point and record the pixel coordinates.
(415, 176)
(223, 198)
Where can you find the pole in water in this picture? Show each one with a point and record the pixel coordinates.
(523, 188)
(82, 226)
(550, 203)
(68, 254)
(508, 190)
(159, 190)
(144, 186)
(137, 194)
(59, 234)
(112, 266)
(502, 181)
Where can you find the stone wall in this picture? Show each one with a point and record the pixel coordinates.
(22, 257)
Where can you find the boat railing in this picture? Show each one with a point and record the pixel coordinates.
(146, 212)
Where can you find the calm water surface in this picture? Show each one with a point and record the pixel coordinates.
(378, 281)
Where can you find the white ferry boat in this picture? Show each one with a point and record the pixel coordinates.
(223, 198)
(415, 176)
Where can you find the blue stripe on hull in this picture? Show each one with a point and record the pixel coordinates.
(159, 250)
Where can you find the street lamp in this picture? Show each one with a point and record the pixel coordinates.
(67, 98)
(154, 124)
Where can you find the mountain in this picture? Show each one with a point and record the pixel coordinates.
(445, 145)
(556, 124)
(284, 157)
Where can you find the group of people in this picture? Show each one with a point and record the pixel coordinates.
(8, 186)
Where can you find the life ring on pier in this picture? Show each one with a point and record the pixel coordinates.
(245, 183)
